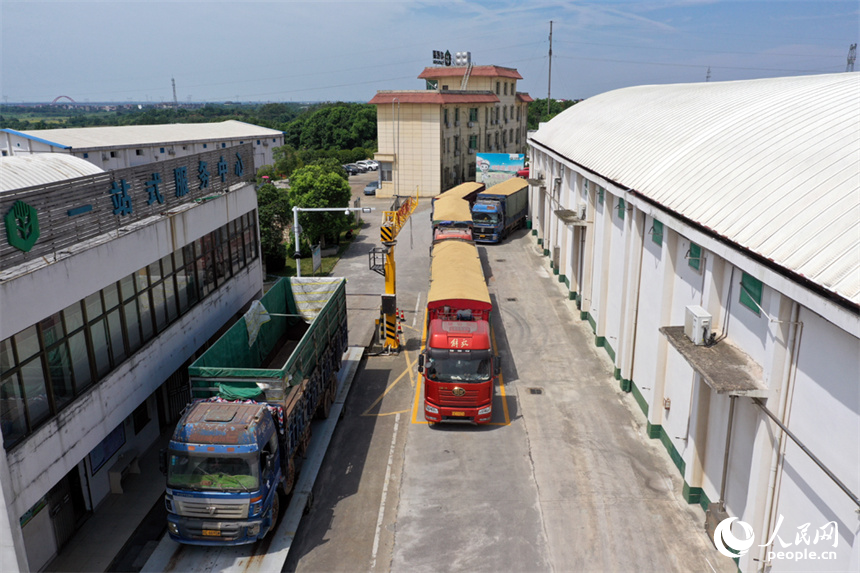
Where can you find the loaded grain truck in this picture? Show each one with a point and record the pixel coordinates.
(234, 452)
(458, 364)
(451, 214)
(500, 210)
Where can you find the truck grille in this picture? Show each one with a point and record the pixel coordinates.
(210, 509)
(483, 230)
(447, 397)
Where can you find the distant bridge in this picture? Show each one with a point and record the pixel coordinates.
(58, 98)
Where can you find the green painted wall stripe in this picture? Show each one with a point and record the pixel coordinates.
(609, 350)
(566, 281)
(571, 295)
(640, 399)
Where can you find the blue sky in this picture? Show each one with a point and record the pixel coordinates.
(311, 51)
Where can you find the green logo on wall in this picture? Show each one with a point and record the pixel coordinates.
(22, 226)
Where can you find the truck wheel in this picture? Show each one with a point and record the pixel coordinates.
(276, 511)
(290, 478)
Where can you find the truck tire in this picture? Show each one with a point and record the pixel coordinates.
(290, 478)
(276, 512)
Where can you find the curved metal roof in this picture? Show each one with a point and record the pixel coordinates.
(21, 171)
(772, 165)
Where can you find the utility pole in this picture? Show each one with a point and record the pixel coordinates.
(852, 55)
(549, 79)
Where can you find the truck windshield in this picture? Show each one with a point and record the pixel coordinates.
(209, 472)
(459, 367)
(485, 218)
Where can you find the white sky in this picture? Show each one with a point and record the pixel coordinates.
(317, 51)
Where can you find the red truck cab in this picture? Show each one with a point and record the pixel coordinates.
(458, 362)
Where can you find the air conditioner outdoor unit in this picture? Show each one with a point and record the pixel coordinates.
(471, 150)
(697, 325)
(104, 157)
(171, 152)
(265, 144)
(471, 123)
(582, 211)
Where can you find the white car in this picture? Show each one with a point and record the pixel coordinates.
(369, 163)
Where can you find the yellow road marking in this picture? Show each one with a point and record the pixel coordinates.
(390, 386)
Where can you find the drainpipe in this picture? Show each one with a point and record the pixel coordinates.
(789, 372)
(726, 455)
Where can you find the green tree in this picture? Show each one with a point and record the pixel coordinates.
(538, 112)
(314, 186)
(286, 160)
(273, 206)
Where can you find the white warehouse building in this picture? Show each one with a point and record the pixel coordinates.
(116, 147)
(710, 235)
(110, 283)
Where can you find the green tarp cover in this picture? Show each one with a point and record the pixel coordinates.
(321, 300)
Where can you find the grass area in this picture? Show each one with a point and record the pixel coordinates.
(326, 263)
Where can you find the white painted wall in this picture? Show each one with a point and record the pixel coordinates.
(822, 389)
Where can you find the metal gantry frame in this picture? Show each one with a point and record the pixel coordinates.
(392, 223)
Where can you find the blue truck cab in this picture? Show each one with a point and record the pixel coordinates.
(499, 210)
(225, 473)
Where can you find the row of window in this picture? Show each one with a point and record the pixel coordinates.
(494, 114)
(184, 148)
(473, 141)
(44, 367)
(751, 288)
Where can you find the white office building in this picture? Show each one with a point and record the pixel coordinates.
(110, 282)
(116, 147)
(710, 235)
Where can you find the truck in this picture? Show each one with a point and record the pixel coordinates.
(451, 214)
(458, 364)
(236, 450)
(500, 210)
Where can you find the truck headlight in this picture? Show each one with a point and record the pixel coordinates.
(254, 530)
(431, 409)
(486, 410)
(173, 528)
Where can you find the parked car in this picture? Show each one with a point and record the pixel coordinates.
(524, 173)
(369, 163)
(351, 169)
(370, 188)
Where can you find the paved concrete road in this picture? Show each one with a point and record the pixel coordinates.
(563, 480)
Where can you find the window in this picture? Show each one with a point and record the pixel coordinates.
(161, 150)
(473, 141)
(695, 256)
(223, 145)
(621, 208)
(456, 115)
(385, 168)
(45, 366)
(204, 145)
(138, 152)
(657, 232)
(497, 88)
(506, 88)
(113, 153)
(258, 142)
(445, 116)
(751, 289)
(86, 155)
(473, 114)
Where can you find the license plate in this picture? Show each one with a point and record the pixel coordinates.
(458, 413)
(212, 532)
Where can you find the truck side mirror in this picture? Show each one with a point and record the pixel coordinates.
(497, 366)
(420, 363)
(162, 461)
